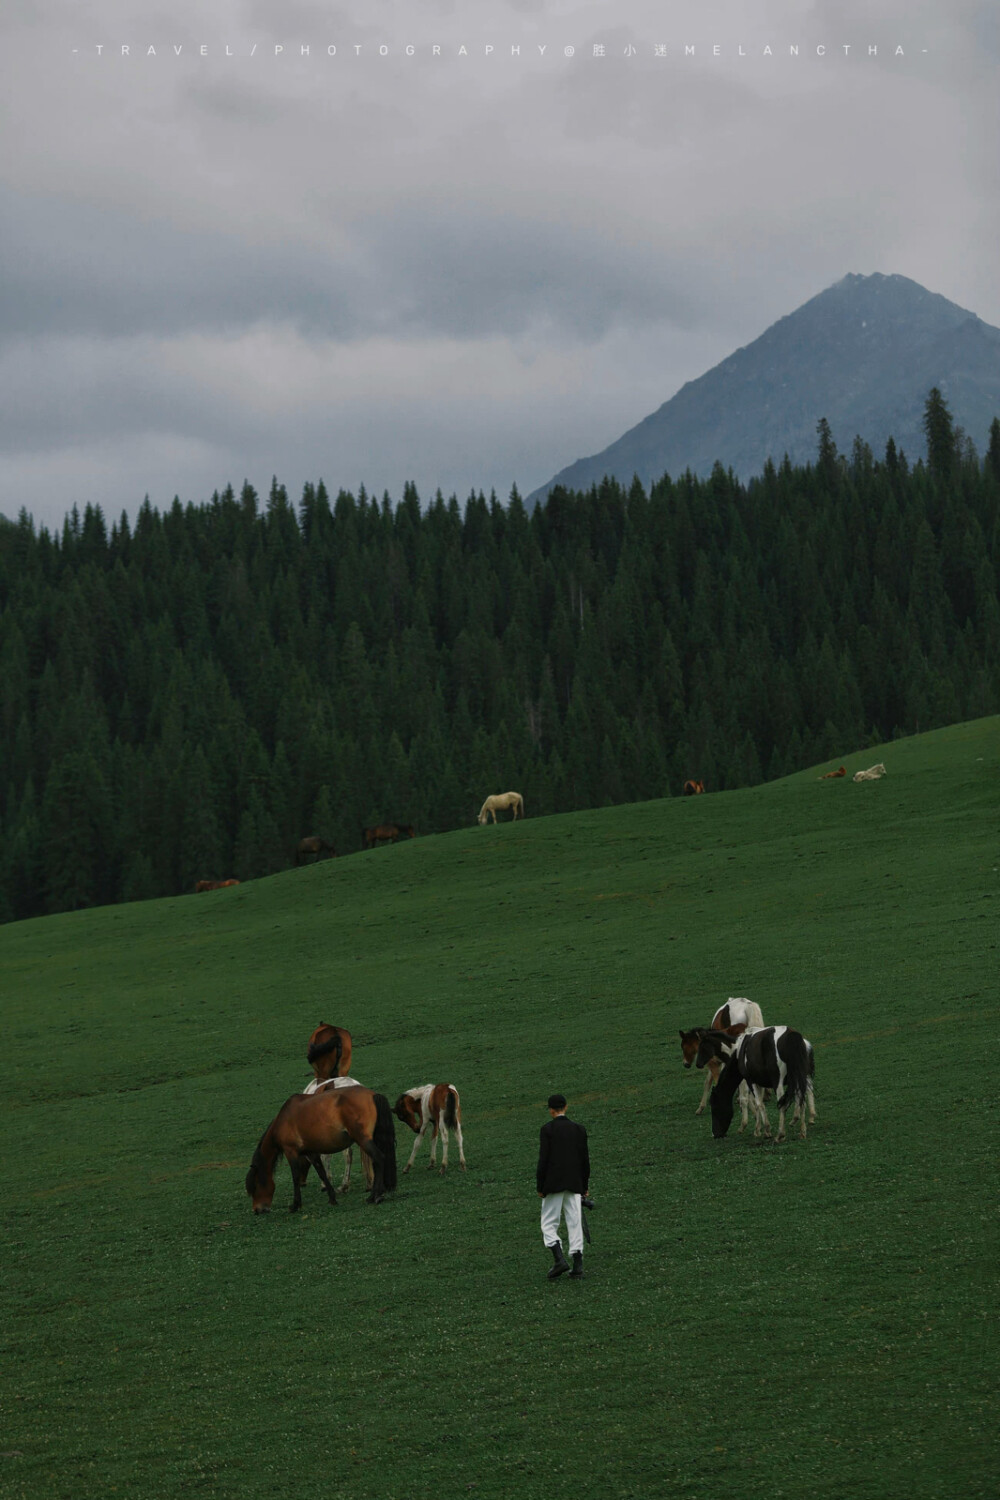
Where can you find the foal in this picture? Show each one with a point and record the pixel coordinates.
(434, 1105)
(734, 1017)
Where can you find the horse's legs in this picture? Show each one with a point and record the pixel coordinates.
(434, 1148)
(712, 1071)
(762, 1121)
(295, 1164)
(461, 1152)
(444, 1147)
(781, 1118)
(744, 1106)
(323, 1176)
(416, 1145)
(374, 1155)
(811, 1098)
(346, 1181)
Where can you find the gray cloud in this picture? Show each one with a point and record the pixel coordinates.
(467, 271)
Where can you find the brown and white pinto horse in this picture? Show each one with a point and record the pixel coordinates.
(310, 1126)
(769, 1057)
(434, 1106)
(734, 1017)
(345, 1182)
(329, 1052)
(692, 788)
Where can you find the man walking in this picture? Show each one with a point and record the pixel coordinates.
(563, 1175)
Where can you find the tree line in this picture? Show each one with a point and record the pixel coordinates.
(185, 697)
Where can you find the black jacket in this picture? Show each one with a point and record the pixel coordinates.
(563, 1158)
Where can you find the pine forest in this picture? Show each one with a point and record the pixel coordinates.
(185, 697)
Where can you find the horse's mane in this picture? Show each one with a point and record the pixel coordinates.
(320, 1049)
(258, 1168)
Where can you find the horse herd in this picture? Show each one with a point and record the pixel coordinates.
(335, 1113)
(742, 1055)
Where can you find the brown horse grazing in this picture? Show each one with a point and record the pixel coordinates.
(386, 833)
(213, 885)
(692, 788)
(329, 1052)
(314, 846)
(308, 1127)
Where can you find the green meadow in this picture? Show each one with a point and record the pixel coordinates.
(810, 1319)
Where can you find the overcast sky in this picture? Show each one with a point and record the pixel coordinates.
(463, 269)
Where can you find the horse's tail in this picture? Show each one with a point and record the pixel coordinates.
(450, 1107)
(755, 1016)
(800, 1065)
(384, 1137)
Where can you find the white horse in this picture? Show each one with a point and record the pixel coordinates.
(498, 803)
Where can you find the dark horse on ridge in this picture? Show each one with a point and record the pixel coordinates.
(308, 1127)
(773, 1057)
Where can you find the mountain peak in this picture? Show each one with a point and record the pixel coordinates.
(863, 353)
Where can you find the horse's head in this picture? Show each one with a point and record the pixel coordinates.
(689, 1045)
(405, 1109)
(260, 1183)
(708, 1047)
(481, 818)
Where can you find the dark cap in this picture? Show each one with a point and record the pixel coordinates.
(556, 1101)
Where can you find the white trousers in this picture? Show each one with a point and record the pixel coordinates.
(554, 1207)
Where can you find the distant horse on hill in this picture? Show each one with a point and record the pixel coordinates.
(311, 1126)
(314, 846)
(773, 1057)
(213, 885)
(499, 802)
(692, 788)
(386, 833)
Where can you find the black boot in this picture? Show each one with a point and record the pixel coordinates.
(577, 1272)
(561, 1263)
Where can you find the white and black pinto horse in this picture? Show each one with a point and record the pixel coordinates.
(769, 1057)
(733, 1018)
(434, 1107)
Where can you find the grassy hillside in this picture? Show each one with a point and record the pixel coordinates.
(759, 1319)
